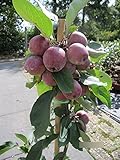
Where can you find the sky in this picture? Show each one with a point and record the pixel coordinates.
(27, 24)
(111, 2)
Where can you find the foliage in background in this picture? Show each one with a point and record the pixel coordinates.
(59, 7)
(11, 38)
(102, 19)
(111, 63)
(31, 32)
(97, 19)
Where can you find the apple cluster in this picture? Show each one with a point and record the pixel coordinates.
(46, 59)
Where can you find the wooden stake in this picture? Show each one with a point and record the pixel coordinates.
(57, 131)
(60, 36)
(60, 30)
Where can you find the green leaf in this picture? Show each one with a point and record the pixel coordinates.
(103, 77)
(84, 103)
(34, 15)
(64, 80)
(84, 136)
(73, 28)
(30, 84)
(93, 99)
(21, 137)
(59, 156)
(102, 94)
(6, 147)
(24, 149)
(49, 14)
(96, 55)
(58, 103)
(42, 88)
(77, 107)
(92, 80)
(74, 136)
(40, 113)
(61, 110)
(21, 158)
(74, 8)
(27, 54)
(94, 45)
(34, 80)
(43, 158)
(64, 131)
(97, 58)
(66, 158)
(49, 139)
(36, 150)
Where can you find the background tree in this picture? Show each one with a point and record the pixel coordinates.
(102, 20)
(11, 38)
(116, 25)
(98, 19)
(59, 7)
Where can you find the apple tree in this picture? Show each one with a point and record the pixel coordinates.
(68, 83)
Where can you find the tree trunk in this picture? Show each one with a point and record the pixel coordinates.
(83, 17)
